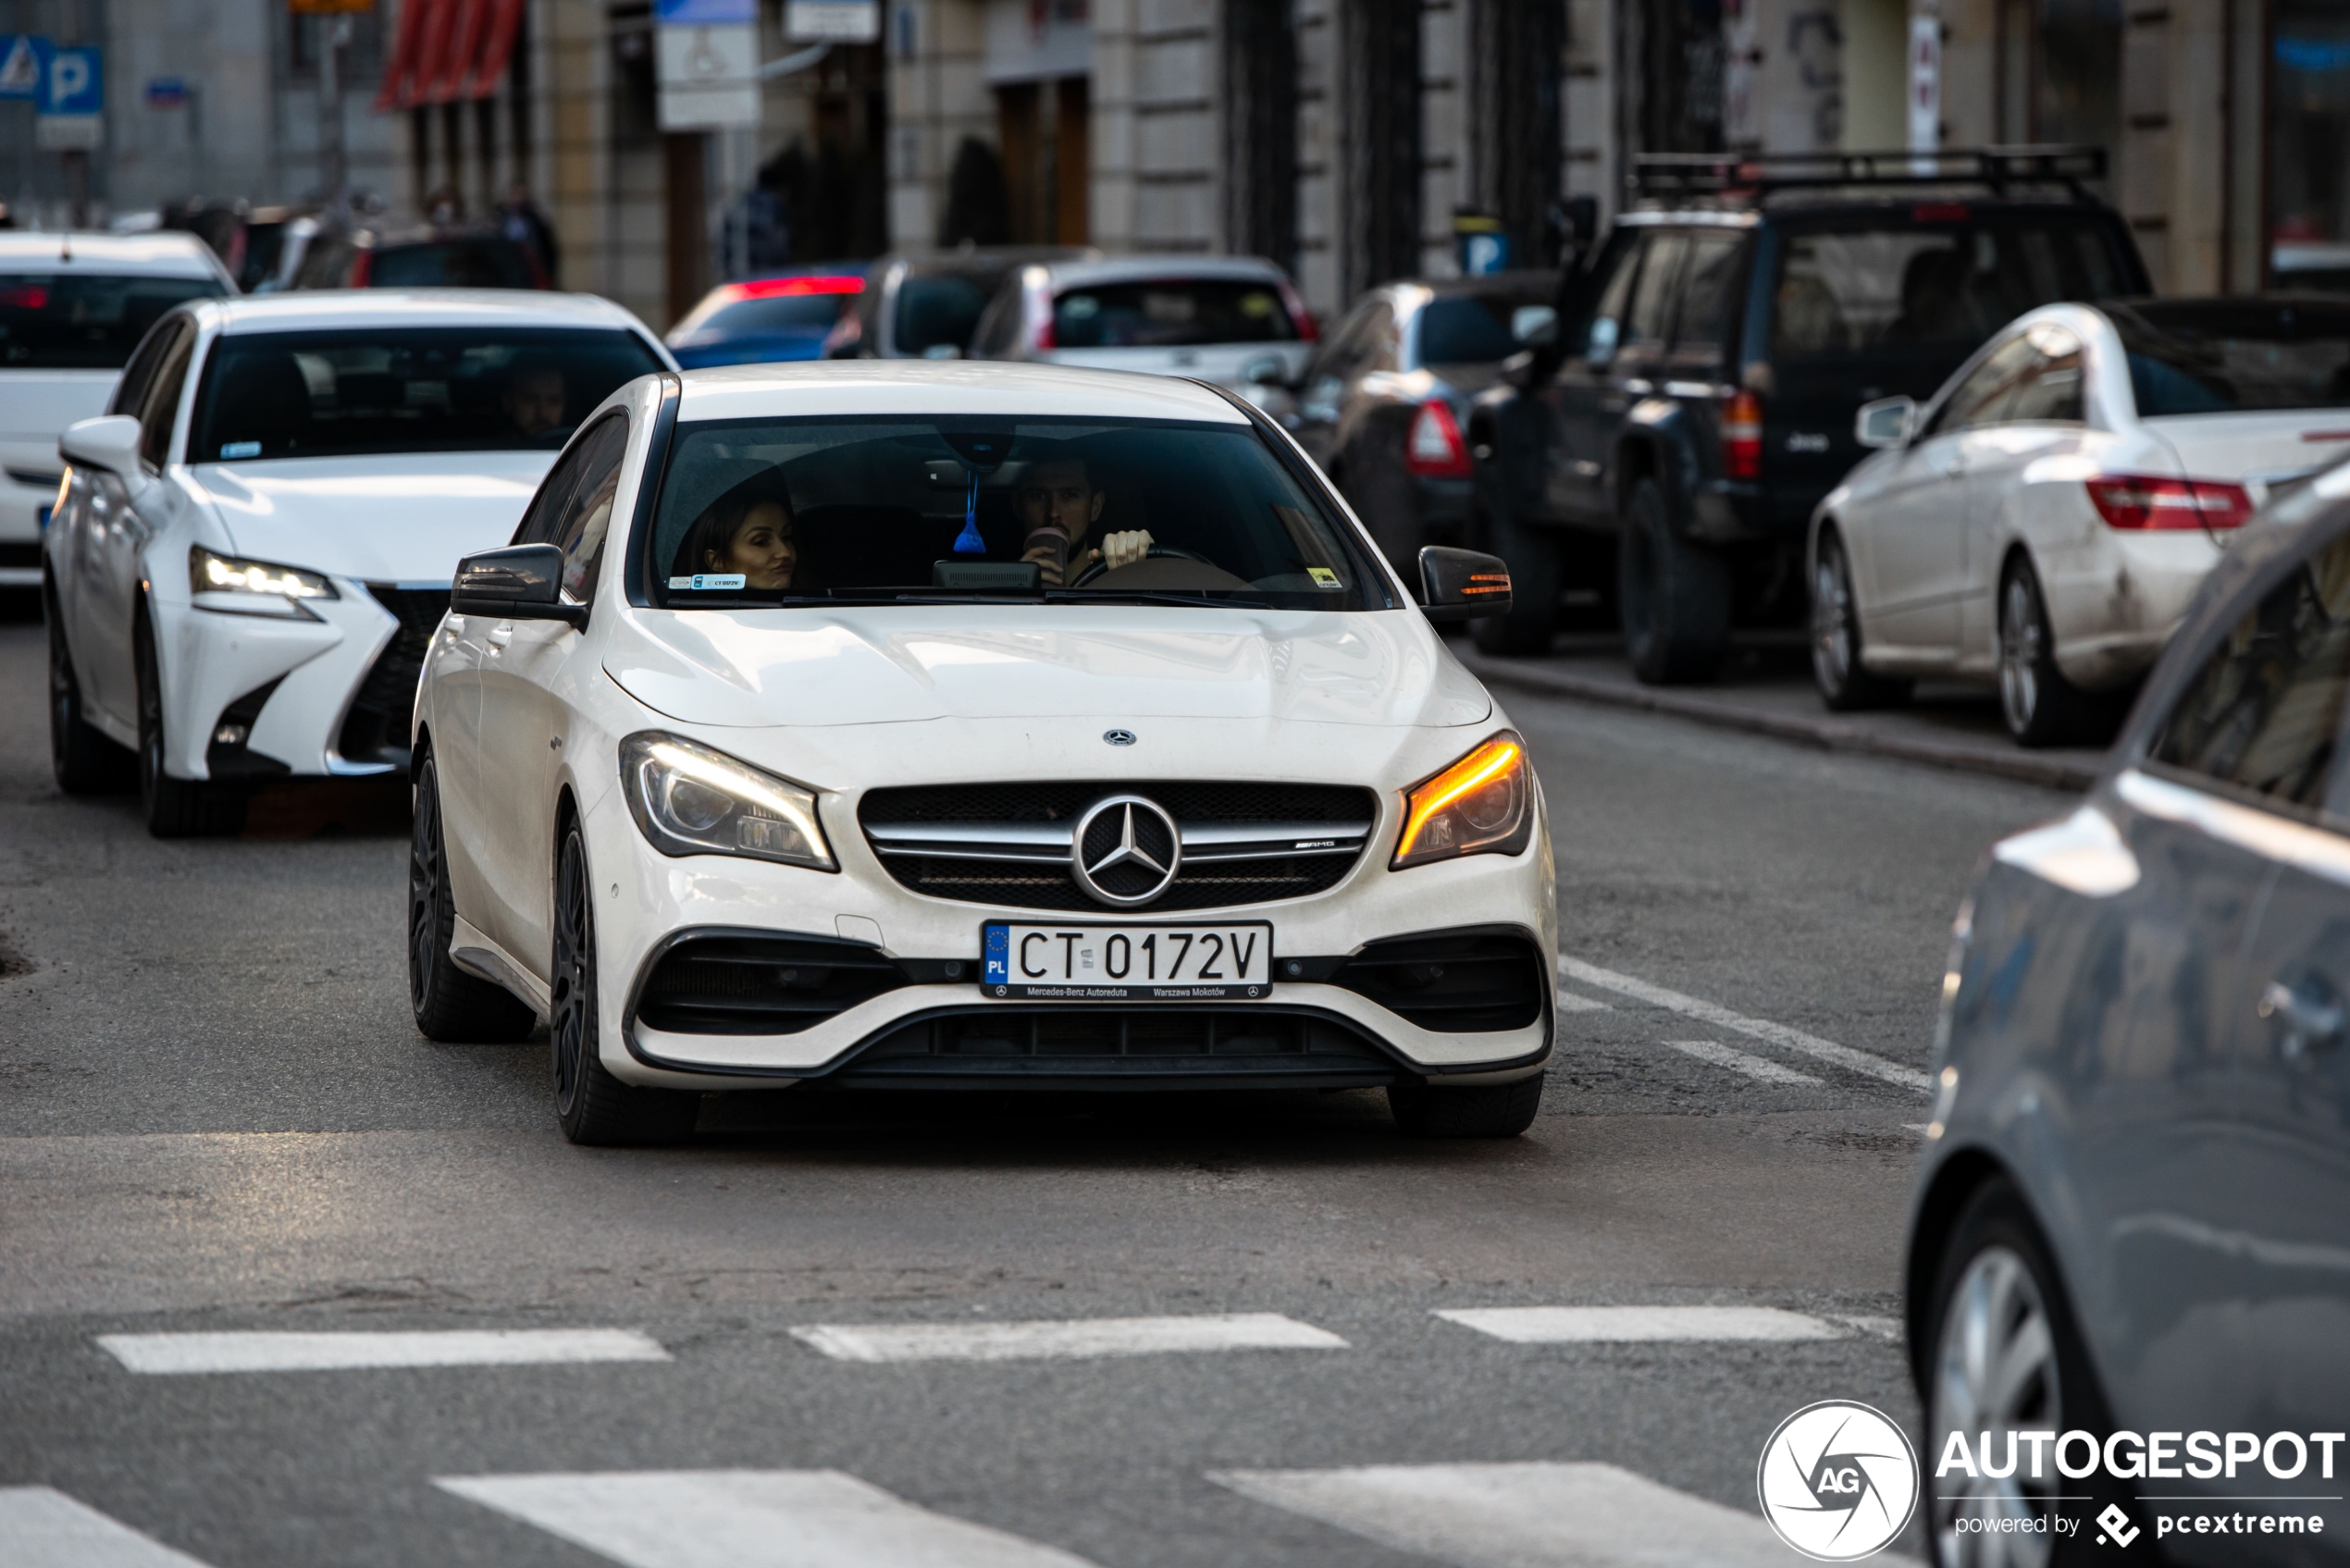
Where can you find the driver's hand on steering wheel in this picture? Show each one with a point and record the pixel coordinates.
(1125, 549)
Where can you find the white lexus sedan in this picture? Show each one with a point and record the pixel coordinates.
(254, 543)
(2042, 523)
(896, 724)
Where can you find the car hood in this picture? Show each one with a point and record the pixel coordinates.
(400, 519)
(900, 664)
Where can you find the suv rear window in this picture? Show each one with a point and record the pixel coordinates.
(2212, 358)
(1471, 328)
(1936, 288)
(1170, 313)
(939, 311)
(84, 321)
(453, 263)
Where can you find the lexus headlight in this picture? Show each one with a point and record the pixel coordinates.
(252, 587)
(1481, 805)
(689, 799)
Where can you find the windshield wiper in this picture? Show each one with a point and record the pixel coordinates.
(1153, 596)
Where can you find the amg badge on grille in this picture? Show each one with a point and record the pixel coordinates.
(1126, 850)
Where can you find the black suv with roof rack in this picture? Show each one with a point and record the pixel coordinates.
(1665, 440)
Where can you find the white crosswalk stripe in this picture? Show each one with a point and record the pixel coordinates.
(1062, 1338)
(749, 1519)
(184, 1353)
(1763, 1029)
(1530, 1516)
(41, 1527)
(1605, 1325)
(1571, 1002)
(1759, 1068)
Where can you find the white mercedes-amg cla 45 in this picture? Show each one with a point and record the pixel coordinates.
(902, 726)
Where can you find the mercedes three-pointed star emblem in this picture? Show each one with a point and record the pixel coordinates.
(1087, 865)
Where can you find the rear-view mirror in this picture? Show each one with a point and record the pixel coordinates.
(1884, 422)
(519, 583)
(1463, 585)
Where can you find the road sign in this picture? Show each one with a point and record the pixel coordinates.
(166, 92)
(24, 64)
(74, 85)
(833, 22)
(706, 52)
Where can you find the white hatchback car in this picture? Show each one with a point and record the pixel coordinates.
(770, 755)
(72, 307)
(255, 545)
(2043, 522)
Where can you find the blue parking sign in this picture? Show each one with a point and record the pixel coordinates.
(24, 64)
(74, 84)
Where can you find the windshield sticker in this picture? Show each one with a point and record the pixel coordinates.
(720, 580)
(242, 449)
(1324, 577)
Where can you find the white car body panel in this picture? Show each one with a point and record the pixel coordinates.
(1220, 363)
(844, 699)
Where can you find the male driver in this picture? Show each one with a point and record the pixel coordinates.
(535, 397)
(1057, 496)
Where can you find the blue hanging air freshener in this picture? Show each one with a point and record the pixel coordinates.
(968, 542)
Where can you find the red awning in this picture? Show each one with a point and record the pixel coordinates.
(456, 65)
(401, 69)
(450, 49)
(490, 68)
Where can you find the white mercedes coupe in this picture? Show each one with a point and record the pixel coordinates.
(253, 545)
(891, 725)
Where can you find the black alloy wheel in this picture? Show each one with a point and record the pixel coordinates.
(1536, 574)
(593, 1105)
(1845, 685)
(174, 807)
(1482, 1110)
(1675, 595)
(448, 1003)
(84, 762)
(2038, 705)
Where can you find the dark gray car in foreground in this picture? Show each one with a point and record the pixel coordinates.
(2133, 1215)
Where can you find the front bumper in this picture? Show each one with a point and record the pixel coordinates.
(26, 496)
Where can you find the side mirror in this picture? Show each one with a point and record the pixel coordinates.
(1462, 584)
(108, 442)
(1266, 370)
(1884, 422)
(519, 583)
(1534, 326)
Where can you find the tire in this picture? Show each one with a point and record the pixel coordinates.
(448, 1003)
(1845, 685)
(1483, 1110)
(174, 807)
(1998, 1303)
(2037, 703)
(84, 762)
(594, 1106)
(1535, 575)
(1676, 595)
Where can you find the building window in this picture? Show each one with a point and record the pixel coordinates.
(2309, 145)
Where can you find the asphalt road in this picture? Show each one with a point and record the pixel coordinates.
(218, 1118)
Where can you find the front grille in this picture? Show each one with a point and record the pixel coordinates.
(761, 985)
(1007, 844)
(1459, 982)
(376, 730)
(1013, 1048)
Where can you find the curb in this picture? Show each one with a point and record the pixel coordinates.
(1828, 733)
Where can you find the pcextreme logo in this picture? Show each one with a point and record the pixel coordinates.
(1838, 1481)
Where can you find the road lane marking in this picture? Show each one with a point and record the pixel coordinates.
(1570, 1003)
(1605, 1325)
(1760, 1029)
(1055, 1340)
(1529, 1515)
(1754, 1066)
(179, 1354)
(749, 1519)
(1876, 1327)
(41, 1527)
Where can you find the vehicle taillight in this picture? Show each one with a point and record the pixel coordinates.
(1041, 309)
(362, 266)
(1435, 450)
(1308, 331)
(1742, 437)
(2143, 503)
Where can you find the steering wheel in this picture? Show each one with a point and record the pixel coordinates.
(1166, 553)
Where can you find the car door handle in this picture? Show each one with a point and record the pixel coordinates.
(2305, 1024)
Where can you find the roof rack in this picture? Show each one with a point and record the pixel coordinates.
(1756, 174)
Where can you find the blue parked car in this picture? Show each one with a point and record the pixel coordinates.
(763, 320)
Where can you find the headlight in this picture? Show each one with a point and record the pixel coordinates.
(689, 799)
(1481, 805)
(252, 587)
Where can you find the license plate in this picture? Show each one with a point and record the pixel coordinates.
(1076, 962)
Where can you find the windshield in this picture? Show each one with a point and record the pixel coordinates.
(1471, 328)
(84, 321)
(2219, 358)
(801, 510)
(1934, 289)
(1170, 313)
(354, 393)
(453, 263)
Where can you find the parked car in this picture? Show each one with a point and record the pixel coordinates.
(2042, 522)
(1232, 320)
(72, 307)
(254, 547)
(2132, 1212)
(365, 259)
(1697, 401)
(1384, 400)
(1218, 813)
(767, 320)
(926, 305)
